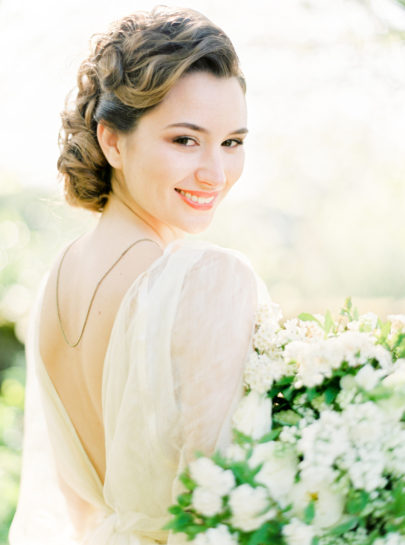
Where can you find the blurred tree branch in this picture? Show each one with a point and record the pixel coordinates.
(386, 22)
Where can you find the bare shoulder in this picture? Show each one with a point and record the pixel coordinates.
(134, 262)
(84, 270)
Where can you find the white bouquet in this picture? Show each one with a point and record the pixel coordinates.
(318, 456)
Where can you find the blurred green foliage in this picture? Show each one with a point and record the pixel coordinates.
(11, 425)
(33, 226)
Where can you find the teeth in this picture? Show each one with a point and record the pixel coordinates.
(194, 198)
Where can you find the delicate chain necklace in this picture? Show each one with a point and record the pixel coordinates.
(73, 345)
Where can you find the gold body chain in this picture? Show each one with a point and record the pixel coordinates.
(73, 345)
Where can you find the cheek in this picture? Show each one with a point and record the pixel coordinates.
(166, 166)
(236, 167)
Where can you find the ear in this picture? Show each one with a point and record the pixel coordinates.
(108, 141)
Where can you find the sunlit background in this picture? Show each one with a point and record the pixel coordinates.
(319, 209)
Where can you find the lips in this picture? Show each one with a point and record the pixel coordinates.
(200, 200)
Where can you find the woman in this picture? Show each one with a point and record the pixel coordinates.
(139, 336)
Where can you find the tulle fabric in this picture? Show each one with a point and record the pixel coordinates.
(172, 378)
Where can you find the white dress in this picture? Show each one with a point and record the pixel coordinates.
(172, 378)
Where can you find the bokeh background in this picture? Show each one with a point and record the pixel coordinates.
(319, 208)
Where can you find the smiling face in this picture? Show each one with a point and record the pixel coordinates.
(184, 155)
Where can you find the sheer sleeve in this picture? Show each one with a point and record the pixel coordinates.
(211, 337)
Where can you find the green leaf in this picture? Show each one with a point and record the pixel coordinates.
(379, 392)
(329, 323)
(170, 525)
(175, 509)
(270, 436)
(306, 317)
(347, 310)
(400, 346)
(183, 520)
(331, 394)
(180, 523)
(285, 380)
(184, 499)
(311, 393)
(187, 481)
(289, 392)
(357, 502)
(398, 495)
(244, 473)
(270, 532)
(240, 438)
(345, 527)
(219, 460)
(309, 512)
(259, 536)
(385, 329)
(287, 418)
(195, 529)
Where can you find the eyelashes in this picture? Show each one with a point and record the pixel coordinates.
(189, 142)
(236, 141)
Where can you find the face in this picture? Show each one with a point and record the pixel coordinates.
(185, 155)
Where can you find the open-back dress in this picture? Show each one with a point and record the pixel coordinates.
(172, 377)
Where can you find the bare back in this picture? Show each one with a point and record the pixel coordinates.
(76, 373)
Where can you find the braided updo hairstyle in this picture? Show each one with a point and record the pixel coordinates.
(130, 70)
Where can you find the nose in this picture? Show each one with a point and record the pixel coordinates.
(211, 171)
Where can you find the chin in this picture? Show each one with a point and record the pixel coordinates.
(196, 230)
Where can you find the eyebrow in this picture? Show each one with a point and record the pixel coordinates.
(194, 127)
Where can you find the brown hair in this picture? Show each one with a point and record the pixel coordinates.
(130, 69)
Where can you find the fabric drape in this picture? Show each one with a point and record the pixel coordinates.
(172, 378)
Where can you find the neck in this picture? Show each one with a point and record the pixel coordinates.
(119, 216)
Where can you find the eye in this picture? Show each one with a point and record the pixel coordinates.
(185, 141)
(232, 143)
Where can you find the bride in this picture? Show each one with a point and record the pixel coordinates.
(139, 335)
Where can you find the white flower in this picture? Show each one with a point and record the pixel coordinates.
(253, 415)
(298, 533)
(368, 430)
(368, 377)
(235, 453)
(262, 370)
(267, 325)
(293, 330)
(278, 471)
(212, 477)
(397, 323)
(313, 332)
(390, 539)
(366, 322)
(396, 377)
(317, 360)
(219, 535)
(359, 347)
(348, 382)
(206, 502)
(270, 312)
(247, 505)
(322, 442)
(328, 503)
(383, 356)
(311, 368)
(393, 406)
